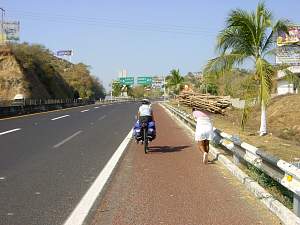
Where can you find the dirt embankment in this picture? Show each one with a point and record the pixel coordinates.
(25, 76)
(33, 71)
(12, 78)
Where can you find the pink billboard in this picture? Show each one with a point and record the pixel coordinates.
(293, 37)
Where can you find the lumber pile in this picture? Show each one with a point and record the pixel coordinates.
(211, 103)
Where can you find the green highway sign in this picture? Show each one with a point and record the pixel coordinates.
(144, 80)
(126, 80)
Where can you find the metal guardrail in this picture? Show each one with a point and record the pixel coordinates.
(31, 102)
(281, 171)
(26, 106)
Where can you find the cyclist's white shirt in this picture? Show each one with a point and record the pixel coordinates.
(145, 110)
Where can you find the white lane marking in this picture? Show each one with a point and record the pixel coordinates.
(102, 117)
(10, 131)
(67, 139)
(57, 118)
(85, 110)
(81, 211)
(97, 107)
(2, 178)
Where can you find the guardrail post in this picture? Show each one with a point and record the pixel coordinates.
(296, 204)
(236, 159)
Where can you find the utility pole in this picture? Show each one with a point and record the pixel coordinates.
(164, 88)
(2, 24)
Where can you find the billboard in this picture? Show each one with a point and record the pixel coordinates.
(11, 30)
(288, 54)
(64, 53)
(293, 36)
(157, 82)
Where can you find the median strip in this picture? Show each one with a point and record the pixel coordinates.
(10, 131)
(67, 139)
(57, 118)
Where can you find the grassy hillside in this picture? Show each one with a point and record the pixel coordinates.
(33, 71)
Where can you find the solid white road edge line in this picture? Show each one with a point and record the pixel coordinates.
(67, 139)
(81, 211)
(57, 118)
(10, 131)
(85, 110)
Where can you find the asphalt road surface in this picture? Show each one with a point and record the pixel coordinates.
(49, 160)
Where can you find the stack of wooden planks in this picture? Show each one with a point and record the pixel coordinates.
(211, 103)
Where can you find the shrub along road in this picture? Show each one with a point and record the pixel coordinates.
(171, 186)
(48, 161)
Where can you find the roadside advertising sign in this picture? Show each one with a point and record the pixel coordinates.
(64, 53)
(157, 82)
(293, 36)
(288, 54)
(11, 30)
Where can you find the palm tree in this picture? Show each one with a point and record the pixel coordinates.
(174, 81)
(249, 36)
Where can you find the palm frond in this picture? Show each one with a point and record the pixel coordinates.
(223, 63)
(265, 72)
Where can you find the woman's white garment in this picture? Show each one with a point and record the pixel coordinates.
(204, 128)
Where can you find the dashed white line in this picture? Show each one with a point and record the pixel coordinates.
(102, 117)
(97, 107)
(85, 110)
(57, 118)
(9, 131)
(67, 139)
(81, 211)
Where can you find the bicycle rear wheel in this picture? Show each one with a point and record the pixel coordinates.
(145, 141)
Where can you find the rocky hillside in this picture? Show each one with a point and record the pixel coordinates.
(33, 71)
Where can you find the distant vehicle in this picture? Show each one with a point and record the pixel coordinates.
(18, 100)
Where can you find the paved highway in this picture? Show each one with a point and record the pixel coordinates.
(49, 160)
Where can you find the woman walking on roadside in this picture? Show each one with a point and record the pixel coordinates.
(204, 132)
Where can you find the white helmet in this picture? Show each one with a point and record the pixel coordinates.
(146, 101)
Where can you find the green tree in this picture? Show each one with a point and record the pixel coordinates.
(174, 81)
(249, 36)
(116, 89)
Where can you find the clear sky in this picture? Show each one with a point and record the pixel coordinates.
(146, 37)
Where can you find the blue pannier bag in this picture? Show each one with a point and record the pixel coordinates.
(151, 130)
(138, 134)
(137, 131)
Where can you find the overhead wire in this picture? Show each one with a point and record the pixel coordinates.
(112, 23)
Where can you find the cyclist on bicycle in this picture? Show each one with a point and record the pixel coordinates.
(145, 113)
